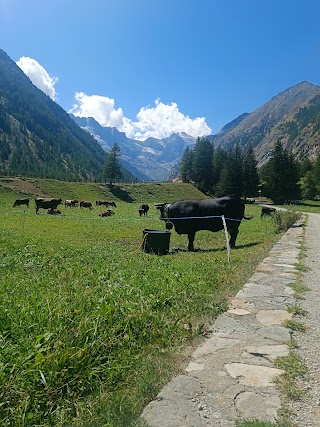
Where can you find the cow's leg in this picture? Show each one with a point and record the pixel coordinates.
(191, 235)
(233, 237)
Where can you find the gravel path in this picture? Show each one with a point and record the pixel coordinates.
(307, 411)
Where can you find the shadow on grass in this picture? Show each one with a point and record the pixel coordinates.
(120, 193)
(221, 249)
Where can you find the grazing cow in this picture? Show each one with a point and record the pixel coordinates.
(105, 203)
(20, 202)
(190, 216)
(143, 210)
(53, 212)
(108, 212)
(84, 204)
(47, 203)
(267, 211)
(71, 203)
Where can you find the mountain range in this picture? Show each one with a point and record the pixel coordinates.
(292, 116)
(37, 137)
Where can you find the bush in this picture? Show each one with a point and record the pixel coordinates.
(284, 220)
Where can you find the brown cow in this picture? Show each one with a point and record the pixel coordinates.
(108, 212)
(267, 211)
(53, 211)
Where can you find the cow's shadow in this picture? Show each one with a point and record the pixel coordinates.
(221, 249)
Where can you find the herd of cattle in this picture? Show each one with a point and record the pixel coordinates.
(186, 216)
(51, 205)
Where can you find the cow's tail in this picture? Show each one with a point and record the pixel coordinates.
(248, 217)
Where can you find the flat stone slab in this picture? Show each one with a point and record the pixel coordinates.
(275, 333)
(253, 290)
(273, 317)
(271, 352)
(265, 268)
(172, 405)
(256, 406)
(213, 344)
(238, 311)
(253, 375)
(193, 366)
(240, 303)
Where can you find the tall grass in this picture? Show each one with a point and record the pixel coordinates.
(91, 326)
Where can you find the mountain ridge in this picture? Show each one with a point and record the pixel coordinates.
(39, 138)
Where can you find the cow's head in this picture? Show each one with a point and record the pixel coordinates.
(163, 208)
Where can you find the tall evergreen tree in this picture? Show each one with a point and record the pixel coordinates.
(202, 164)
(231, 176)
(281, 176)
(112, 169)
(186, 165)
(219, 160)
(250, 174)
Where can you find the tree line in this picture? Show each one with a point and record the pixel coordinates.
(217, 172)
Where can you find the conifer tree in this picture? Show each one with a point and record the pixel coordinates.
(112, 169)
(281, 176)
(186, 165)
(250, 174)
(202, 164)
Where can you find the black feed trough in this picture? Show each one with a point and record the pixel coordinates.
(156, 241)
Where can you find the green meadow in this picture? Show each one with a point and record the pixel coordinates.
(90, 325)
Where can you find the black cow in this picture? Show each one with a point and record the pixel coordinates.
(143, 210)
(20, 202)
(47, 203)
(105, 203)
(267, 211)
(84, 204)
(190, 216)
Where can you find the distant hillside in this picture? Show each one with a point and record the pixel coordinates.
(292, 116)
(37, 137)
(149, 192)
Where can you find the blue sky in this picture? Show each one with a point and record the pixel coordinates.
(153, 67)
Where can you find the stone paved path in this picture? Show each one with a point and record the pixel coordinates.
(230, 376)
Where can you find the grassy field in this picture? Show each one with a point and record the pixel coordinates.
(90, 325)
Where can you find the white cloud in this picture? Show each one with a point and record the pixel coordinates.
(39, 76)
(101, 108)
(158, 122)
(163, 120)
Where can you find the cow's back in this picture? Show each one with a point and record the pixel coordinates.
(205, 214)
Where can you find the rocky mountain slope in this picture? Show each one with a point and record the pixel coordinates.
(152, 159)
(292, 116)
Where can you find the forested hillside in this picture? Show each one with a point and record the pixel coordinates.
(37, 137)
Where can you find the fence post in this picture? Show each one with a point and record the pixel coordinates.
(227, 237)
